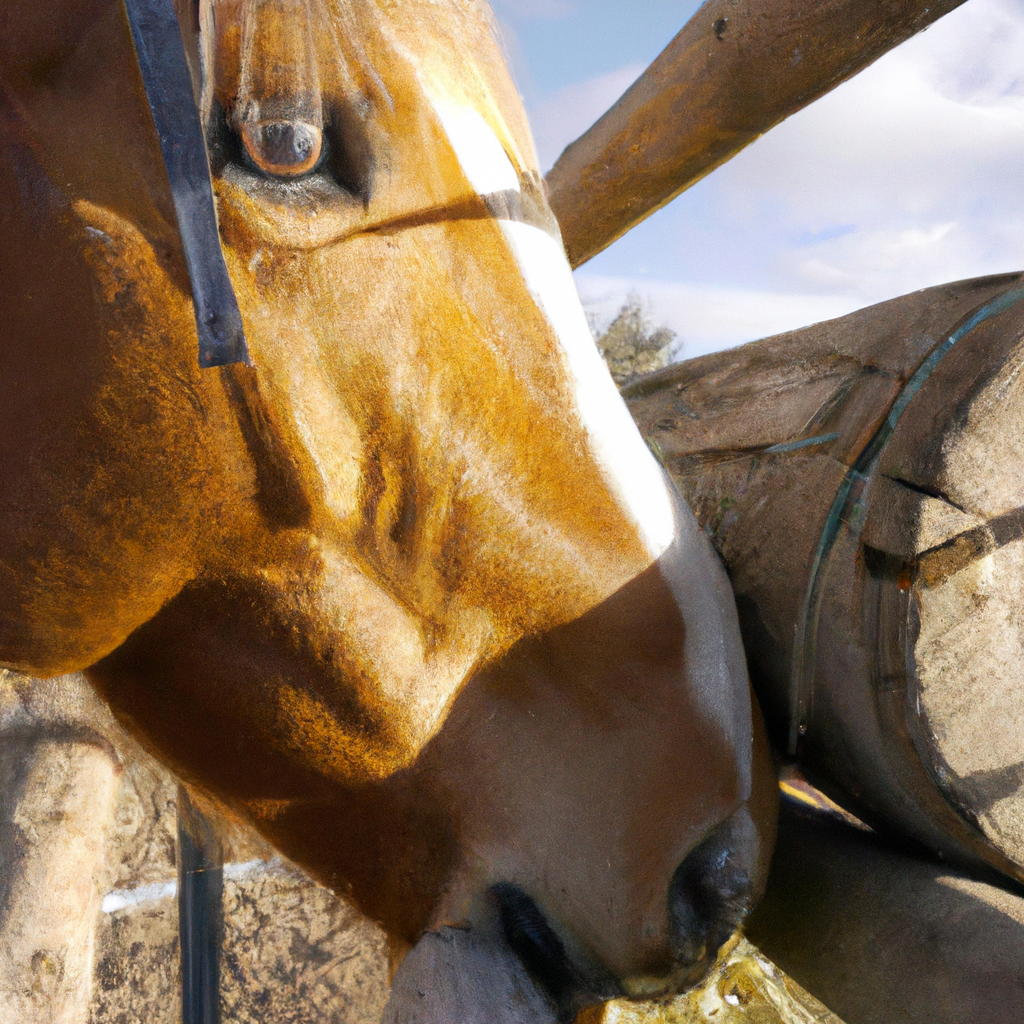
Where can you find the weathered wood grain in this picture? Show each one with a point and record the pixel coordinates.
(736, 69)
(862, 480)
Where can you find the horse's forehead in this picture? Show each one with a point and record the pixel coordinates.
(368, 46)
(436, 87)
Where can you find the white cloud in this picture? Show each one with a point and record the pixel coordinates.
(921, 156)
(565, 116)
(709, 318)
(896, 131)
(978, 55)
(909, 175)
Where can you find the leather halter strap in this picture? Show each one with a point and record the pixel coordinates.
(161, 56)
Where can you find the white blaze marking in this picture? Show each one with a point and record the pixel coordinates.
(482, 157)
(632, 473)
(629, 467)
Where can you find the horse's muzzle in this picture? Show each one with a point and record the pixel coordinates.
(511, 966)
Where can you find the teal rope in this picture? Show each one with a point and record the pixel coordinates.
(802, 672)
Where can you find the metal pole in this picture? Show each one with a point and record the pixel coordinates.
(200, 913)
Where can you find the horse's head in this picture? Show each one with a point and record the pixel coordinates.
(409, 591)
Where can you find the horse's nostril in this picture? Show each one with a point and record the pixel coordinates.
(710, 894)
(689, 931)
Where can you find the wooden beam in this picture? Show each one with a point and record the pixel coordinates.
(862, 482)
(736, 69)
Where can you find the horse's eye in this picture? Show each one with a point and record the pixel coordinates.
(283, 149)
(279, 112)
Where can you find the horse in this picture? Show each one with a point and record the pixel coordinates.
(401, 584)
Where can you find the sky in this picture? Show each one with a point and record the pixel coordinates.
(911, 174)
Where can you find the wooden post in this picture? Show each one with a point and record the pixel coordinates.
(737, 68)
(58, 793)
(863, 481)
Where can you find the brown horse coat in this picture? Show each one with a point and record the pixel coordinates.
(410, 592)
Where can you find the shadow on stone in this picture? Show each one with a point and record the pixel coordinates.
(882, 935)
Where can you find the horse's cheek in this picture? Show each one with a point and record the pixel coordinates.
(113, 493)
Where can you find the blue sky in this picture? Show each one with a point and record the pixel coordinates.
(909, 175)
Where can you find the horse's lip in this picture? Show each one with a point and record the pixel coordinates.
(683, 977)
(661, 986)
(582, 980)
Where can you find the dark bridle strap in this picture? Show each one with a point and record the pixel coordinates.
(161, 56)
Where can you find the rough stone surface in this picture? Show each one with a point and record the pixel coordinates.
(744, 987)
(138, 972)
(294, 952)
(89, 877)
